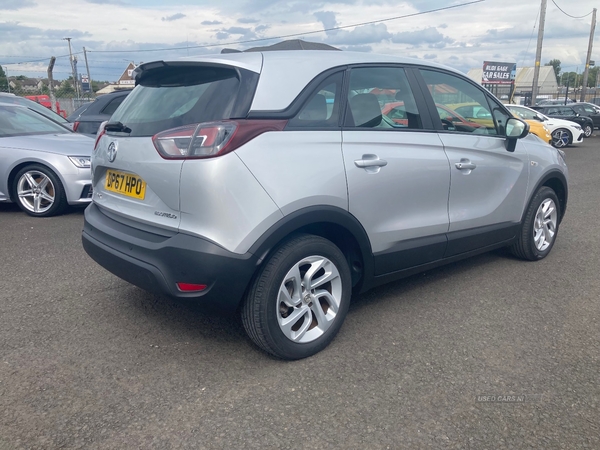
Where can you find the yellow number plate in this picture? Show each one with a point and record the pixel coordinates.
(127, 184)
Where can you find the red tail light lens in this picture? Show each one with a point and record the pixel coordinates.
(75, 126)
(101, 132)
(191, 287)
(210, 139)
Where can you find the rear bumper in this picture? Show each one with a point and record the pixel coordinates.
(156, 263)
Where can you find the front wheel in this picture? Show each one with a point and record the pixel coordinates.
(561, 138)
(299, 299)
(38, 191)
(540, 226)
(588, 130)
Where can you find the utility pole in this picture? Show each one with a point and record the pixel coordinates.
(68, 39)
(589, 55)
(538, 53)
(88, 70)
(7, 80)
(51, 84)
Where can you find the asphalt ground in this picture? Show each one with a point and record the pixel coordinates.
(488, 353)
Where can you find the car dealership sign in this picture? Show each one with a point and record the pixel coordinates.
(498, 72)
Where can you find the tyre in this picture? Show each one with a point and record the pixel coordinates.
(38, 191)
(561, 138)
(540, 226)
(588, 130)
(299, 298)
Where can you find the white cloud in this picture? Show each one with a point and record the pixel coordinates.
(461, 37)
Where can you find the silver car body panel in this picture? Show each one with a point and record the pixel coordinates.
(541, 161)
(491, 193)
(138, 156)
(405, 199)
(223, 202)
(297, 170)
(52, 151)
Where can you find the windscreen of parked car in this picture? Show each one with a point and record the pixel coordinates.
(20, 121)
(171, 97)
(523, 113)
(15, 100)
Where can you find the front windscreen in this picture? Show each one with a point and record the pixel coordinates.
(170, 97)
(20, 121)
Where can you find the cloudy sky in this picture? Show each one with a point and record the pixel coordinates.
(115, 32)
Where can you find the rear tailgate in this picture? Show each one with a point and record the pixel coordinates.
(137, 184)
(134, 178)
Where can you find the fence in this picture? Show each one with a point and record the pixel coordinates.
(65, 105)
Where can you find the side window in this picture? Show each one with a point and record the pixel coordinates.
(113, 105)
(500, 116)
(322, 110)
(465, 103)
(380, 97)
(589, 109)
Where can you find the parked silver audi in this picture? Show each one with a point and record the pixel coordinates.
(272, 184)
(44, 167)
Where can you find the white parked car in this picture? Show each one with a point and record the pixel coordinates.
(563, 132)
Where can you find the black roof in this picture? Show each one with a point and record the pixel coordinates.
(292, 44)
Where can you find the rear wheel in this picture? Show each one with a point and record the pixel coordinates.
(588, 130)
(561, 138)
(540, 226)
(299, 299)
(38, 191)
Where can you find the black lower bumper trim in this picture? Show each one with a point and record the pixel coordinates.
(156, 263)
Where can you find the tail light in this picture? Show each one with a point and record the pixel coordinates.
(101, 132)
(75, 126)
(210, 139)
(191, 287)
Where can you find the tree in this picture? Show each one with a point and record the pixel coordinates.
(592, 77)
(3, 81)
(556, 64)
(570, 78)
(65, 90)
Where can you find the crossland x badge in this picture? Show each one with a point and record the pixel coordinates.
(112, 151)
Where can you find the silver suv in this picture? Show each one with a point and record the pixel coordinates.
(278, 184)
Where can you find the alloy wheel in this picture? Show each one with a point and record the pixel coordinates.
(544, 225)
(36, 191)
(309, 299)
(560, 138)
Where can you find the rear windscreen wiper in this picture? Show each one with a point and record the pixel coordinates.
(118, 127)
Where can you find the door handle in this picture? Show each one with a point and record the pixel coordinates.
(370, 161)
(465, 164)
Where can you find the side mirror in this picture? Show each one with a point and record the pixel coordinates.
(515, 129)
(540, 118)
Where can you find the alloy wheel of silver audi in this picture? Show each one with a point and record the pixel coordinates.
(544, 225)
(36, 191)
(560, 138)
(309, 299)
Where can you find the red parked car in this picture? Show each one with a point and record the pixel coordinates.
(44, 100)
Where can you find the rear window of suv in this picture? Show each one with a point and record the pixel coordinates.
(170, 97)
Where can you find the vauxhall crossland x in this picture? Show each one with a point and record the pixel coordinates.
(272, 184)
